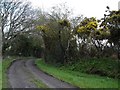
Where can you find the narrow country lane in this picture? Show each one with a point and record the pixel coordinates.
(22, 72)
(19, 76)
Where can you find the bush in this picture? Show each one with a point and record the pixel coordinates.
(101, 66)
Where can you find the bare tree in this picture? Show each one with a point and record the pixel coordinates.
(14, 18)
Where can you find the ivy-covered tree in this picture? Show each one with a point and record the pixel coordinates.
(111, 22)
(57, 35)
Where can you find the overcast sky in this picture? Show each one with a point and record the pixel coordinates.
(87, 8)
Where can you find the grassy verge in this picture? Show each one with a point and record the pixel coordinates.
(5, 65)
(75, 78)
(0, 75)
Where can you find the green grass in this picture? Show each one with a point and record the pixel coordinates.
(75, 78)
(39, 83)
(0, 74)
(5, 65)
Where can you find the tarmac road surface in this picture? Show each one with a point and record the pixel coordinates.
(22, 72)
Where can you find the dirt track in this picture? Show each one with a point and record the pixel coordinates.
(22, 72)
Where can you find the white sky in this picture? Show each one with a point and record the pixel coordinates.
(89, 8)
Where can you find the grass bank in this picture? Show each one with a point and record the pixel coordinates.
(102, 66)
(77, 78)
